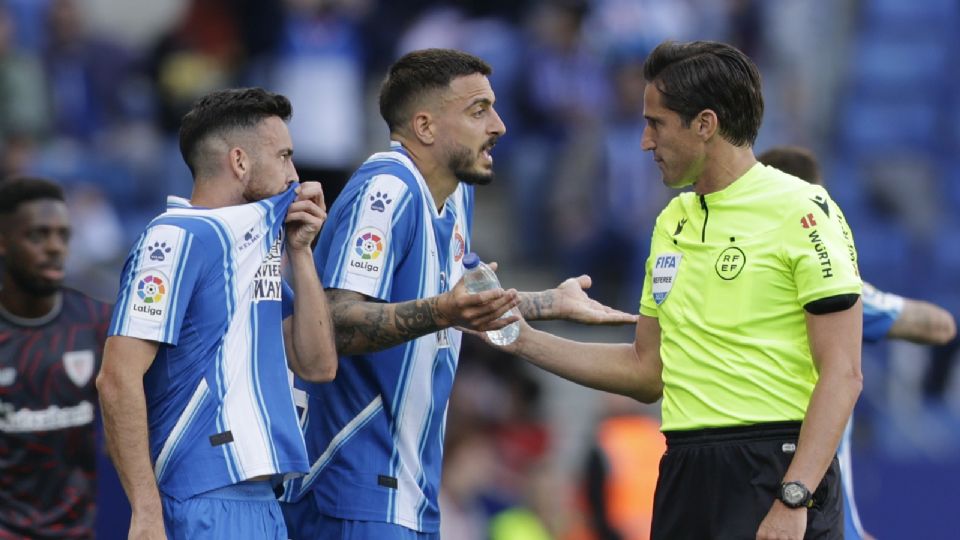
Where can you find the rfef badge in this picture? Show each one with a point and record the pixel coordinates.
(664, 274)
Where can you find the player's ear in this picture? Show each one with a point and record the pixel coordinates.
(424, 129)
(706, 124)
(238, 161)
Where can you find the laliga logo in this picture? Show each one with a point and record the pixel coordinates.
(151, 291)
(368, 247)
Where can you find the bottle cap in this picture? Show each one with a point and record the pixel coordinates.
(471, 260)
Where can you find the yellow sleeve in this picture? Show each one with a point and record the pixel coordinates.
(647, 305)
(658, 243)
(819, 250)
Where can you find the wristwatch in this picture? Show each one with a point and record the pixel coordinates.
(795, 495)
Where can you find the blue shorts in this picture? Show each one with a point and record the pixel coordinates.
(305, 522)
(244, 510)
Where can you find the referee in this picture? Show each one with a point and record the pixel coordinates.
(750, 318)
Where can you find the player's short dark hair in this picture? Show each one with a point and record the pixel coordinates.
(225, 110)
(17, 190)
(422, 71)
(701, 75)
(794, 160)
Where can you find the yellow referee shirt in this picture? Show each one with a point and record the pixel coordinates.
(727, 278)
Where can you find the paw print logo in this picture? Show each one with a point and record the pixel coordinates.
(379, 202)
(248, 235)
(158, 251)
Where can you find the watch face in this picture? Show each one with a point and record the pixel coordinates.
(794, 494)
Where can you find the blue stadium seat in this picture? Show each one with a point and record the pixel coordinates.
(871, 126)
(910, 13)
(897, 66)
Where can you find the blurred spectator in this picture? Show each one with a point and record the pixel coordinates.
(98, 242)
(563, 101)
(632, 28)
(198, 55)
(621, 472)
(469, 472)
(23, 107)
(608, 217)
(498, 481)
(319, 66)
(86, 74)
(24, 117)
(28, 17)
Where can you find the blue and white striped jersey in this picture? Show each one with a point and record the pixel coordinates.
(880, 311)
(206, 285)
(375, 433)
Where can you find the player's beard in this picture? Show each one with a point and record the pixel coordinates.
(257, 189)
(463, 163)
(31, 283)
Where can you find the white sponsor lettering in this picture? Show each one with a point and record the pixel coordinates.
(49, 419)
(266, 282)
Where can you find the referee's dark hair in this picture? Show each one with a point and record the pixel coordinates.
(794, 160)
(701, 75)
(17, 190)
(225, 110)
(418, 73)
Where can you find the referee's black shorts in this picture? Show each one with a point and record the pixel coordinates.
(719, 483)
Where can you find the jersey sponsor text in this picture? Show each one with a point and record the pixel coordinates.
(826, 267)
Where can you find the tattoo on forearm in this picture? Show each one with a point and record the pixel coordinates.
(365, 326)
(416, 318)
(537, 306)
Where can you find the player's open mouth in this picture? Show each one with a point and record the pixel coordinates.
(485, 151)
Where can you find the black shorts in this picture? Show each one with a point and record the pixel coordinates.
(720, 483)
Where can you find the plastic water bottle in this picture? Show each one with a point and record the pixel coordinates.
(479, 277)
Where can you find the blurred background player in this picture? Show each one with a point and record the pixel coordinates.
(885, 316)
(51, 341)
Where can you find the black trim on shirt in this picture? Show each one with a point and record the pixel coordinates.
(832, 304)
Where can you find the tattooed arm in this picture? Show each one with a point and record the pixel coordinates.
(569, 301)
(365, 325)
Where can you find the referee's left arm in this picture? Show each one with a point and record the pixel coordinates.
(835, 339)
